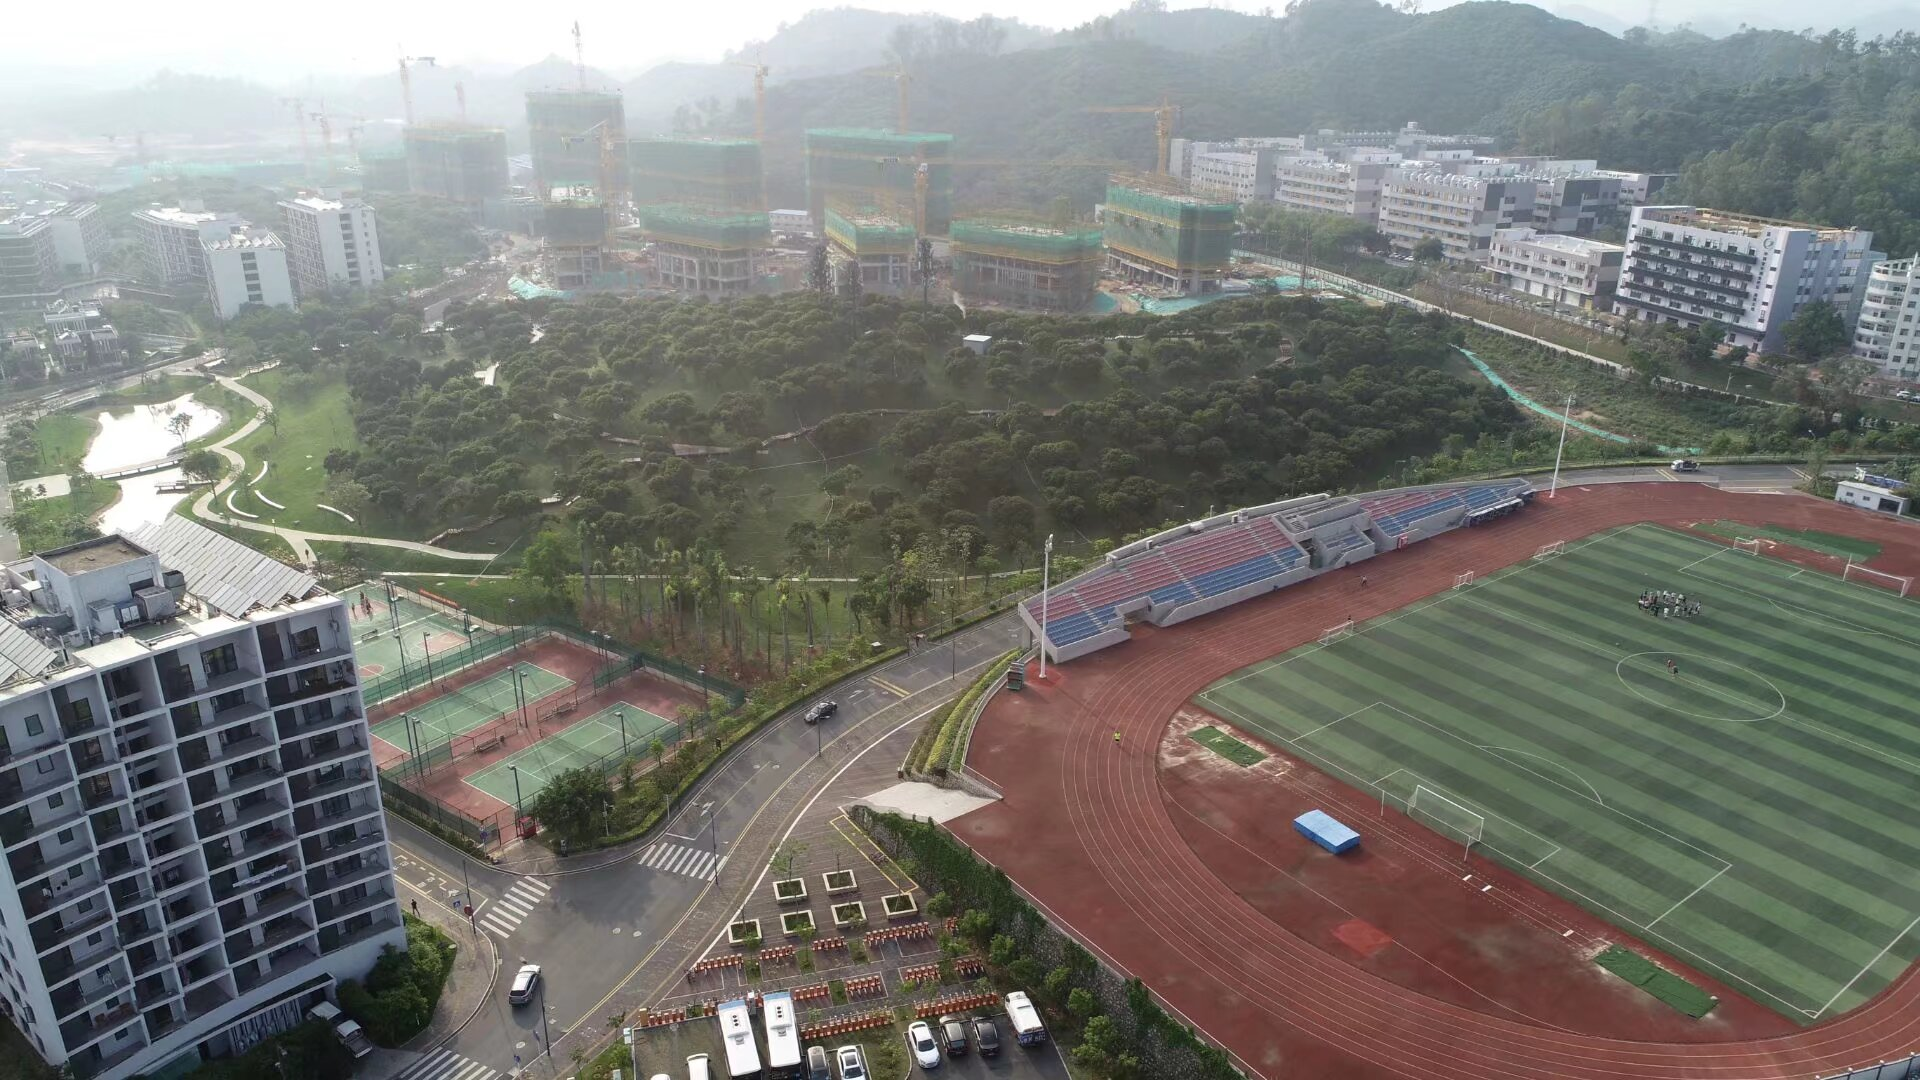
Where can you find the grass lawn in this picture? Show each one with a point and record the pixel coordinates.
(1656, 980)
(1825, 543)
(309, 427)
(1538, 324)
(58, 438)
(265, 543)
(1227, 746)
(1746, 812)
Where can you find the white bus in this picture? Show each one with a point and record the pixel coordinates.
(783, 1037)
(736, 1031)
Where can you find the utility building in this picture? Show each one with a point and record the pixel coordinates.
(866, 167)
(700, 204)
(195, 852)
(1030, 266)
(1161, 237)
(457, 162)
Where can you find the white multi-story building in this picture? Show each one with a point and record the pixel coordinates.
(1462, 212)
(194, 846)
(1568, 270)
(1888, 330)
(247, 266)
(1233, 175)
(1686, 265)
(1181, 153)
(172, 238)
(79, 237)
(1638, 188)
(331, 244)
(1350, 187)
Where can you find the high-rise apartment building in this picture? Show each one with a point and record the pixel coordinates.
(79, 237)
(194, 846)
(172, 238)
(331, 244)
(28, 263)
(1888, 330)
(246, 266)
(1686, 265)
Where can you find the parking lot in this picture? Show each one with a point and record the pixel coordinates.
(1014, 1062)
(664, 1050)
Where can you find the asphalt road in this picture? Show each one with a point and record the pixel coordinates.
(592, 929)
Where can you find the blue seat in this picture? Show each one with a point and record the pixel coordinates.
(1215, 582)
(1075, 627)
(1177, 593)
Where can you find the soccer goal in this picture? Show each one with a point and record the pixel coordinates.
(1335, 633)
(1879, 579)
(1554, 548)
(1748, 544)
(1445, 815)
(1461, 581)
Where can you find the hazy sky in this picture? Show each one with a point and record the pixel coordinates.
(282, 42)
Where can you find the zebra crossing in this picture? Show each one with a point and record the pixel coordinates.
(677, 859)
(447, 1065)
(506, 913)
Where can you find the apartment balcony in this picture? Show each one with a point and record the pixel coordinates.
(153, 991)
(38, 900)
(216, 821)
(53, 931)
(190, 944)
(306, 658)
(230, 680)
(140, 746)
(1652, 236)
(78, 958)
(300, 759)
(129, 894)
(84, 1030)
(313, 720)
(317, 851)
(72, 999)
(290, 690)
(148, 959)
(160, 1022)
(333, 939)
(26, 784)
(207, 997)
(109, 826)
(95, 795)
(74, 724)
(1652, 283)
(246, 978)
(366, 873)
(153, 812)
(265, 844)
(252, 877)
(138, 927)
(128, 708)
(327, 911)
(94, 1062)
(346, 779)
(284, 932)
(271, 907)
(21, 826)
(1700, 281)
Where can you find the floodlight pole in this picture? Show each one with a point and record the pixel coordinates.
(1046, 573)
(1565, 416)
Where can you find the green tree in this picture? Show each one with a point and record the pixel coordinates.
(1081, 1002)
(572, 805)
(1815, 332)
(1003, 950)
(203, 465)
(1430, 250)
(547, 562)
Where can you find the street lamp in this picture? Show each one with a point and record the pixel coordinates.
(1046, 572)
(419, 742)
(621, 716)
(706, 700)
(515, 770)
(427, 651)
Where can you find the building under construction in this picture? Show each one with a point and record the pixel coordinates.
(1156, 235)
(700, 204)
(909, 174)
(565, 129)
(876, 245)
(1026, 265)
(458, 162)
(573, 235)
(384, 169)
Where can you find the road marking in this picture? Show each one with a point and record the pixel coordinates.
(447, 1065)
(678, 859)
(892, 688)
(514, 908)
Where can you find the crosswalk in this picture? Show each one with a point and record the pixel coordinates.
(677, 859)
(505, 914)
(447, 1065)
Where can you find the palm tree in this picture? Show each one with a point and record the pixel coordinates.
(736, 600)
(669, 595)
(663, 556)
(804, 582)
(786, 642)
(717, 580)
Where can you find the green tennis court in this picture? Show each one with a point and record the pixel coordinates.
(456, 712)
(1747, 809)
(596, 738)
(406, 636)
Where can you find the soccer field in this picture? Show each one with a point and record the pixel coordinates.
(1751, 813)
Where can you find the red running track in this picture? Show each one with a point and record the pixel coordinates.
(1085, 829)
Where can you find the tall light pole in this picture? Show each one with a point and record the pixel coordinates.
(515, 770)
(621, 716)
(706, 700)
(427, 651)
(420, 742)
(1046, 583)
(413, 748)
(1565, 416)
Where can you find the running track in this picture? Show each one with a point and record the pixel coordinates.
(1085, 830)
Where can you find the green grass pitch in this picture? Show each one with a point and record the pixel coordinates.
(1751, 814)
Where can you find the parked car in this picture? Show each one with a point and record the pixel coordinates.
(817, 1067)
(850, 1064)
(986, 1037)
(926, 1052)
(953, 1036)
(524, 982)
(1904, 395)
(1685, 465)
(822, 710)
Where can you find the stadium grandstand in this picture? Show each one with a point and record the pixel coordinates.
(1218, 561)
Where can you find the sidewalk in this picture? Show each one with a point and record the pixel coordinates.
(476, 966)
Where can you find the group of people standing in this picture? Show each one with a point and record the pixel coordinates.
(1667, 604)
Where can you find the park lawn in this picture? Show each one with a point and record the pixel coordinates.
(265, 543)
(59, 438)
(310, 426)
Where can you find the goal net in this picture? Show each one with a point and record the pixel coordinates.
(1554, 548)
(1335, 633)
(1461, 581)
(1751, 545)
(1447, 816)
(1879, 579)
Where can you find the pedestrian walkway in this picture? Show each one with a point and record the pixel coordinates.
(447, 1065)
(504, 916)
(695, 863)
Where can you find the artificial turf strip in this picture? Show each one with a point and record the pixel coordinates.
(1227, 746)
(1741, 813)
(1656, 980)
(1825, 543)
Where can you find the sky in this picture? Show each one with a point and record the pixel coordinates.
(282, 43)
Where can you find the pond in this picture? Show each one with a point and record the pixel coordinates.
(130, 437)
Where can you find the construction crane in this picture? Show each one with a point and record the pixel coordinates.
(460, 95)
(326, 137)
(760, 71)
(406, 82)
(300, 117)
(902, 81)
(1164, 114)
(610, 195)
(579, 56)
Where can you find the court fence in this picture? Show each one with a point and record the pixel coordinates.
(1907, 1068)
(483, 643)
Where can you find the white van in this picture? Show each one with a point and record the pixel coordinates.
(697, 1068)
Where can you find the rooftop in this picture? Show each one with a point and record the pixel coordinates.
(96, 554)
(319, 205)
(1726, 221)
(245, 238)
(174, 215)
(1572, 245)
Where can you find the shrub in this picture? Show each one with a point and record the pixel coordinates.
(397, 998)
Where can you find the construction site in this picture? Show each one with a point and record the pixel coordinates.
(570, 132)
(700, 205)
(573, 228)
(910, 174)
(1021, 264)
(461, 163)
(876, 246)
(1160, 237)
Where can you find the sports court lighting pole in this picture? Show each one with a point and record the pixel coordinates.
(413, 750)
(428, 652)
(515, 770)
(621, 715)
(1564, 416)
(1046, 576)
(420, 742)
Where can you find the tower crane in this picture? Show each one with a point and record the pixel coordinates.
(579, 56)
(300, 117)
(760, 72)
(406, 82)
(326, 138)
(1164, 115)
(902, 80)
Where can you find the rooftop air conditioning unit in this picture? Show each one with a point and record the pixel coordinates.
(156, 602)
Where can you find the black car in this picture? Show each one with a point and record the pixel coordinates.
(817, 1068)
(953, 1036)
(986, 1037)
(822, 710)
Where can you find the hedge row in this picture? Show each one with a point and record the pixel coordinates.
(934, 748)
(397, 1000)
(310, 1051)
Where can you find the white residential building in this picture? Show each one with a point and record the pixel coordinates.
(172, 238)
(1181, 153)
(1568, 270)
(1421, 202)
(247, 266)
(1638, 188)
(79, 238)
(1888, 330)
(1349, 187)
(1686, 265)
(194, 846)
(331, 244)
(1233, 175)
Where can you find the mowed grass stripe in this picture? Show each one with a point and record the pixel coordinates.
(1792, 917)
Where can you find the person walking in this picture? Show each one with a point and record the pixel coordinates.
(1673, 667)
(1116, 738)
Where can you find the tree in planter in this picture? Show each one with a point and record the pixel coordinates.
(1003, 950)
(789, 854)
(1081, 1002)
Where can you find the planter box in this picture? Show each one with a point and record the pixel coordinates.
(839, 881)
(899, 905)
(795, 923)
(741, 932)
(791, 890)
(850, 913)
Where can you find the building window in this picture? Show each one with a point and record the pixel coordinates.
(55, 801)
(34, 726)
(64, 836)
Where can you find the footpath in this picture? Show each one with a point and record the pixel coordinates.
(476, 967)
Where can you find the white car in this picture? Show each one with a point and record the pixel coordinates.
(524, 981)
(925, 1050)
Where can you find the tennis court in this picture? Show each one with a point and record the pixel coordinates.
(1732, 787)
(593, 739)
(402, 636)
(458, 711)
